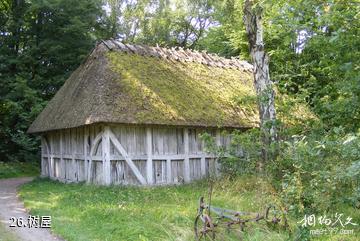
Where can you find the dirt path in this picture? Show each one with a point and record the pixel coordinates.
(10, 206)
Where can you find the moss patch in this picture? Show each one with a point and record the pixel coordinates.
(189, 92)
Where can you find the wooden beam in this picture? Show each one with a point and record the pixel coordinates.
(52, 168)
(218, 143)
(73, 150)
(43, 157)
(88, 171)
(106, 155)
(168, 171)
(149, 161)
(47, 152)
(137, 157)
(92, 153)
(203, 166)
(128, 160)
(62, 162)
(186, 159)
(95, 143)
(86, 162)
(218, 137)
(203, 160)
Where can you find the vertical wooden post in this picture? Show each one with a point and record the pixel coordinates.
(218, 143)
(218, 137)
(88, 176)
(203, 166)
(62, 162)
(42, 157)
(168, 171)
(202, 160)
(48, 154)
(186, 159)
(106, 155)
(52, 167)
(149, 162)
(73, 151)
(86, 134)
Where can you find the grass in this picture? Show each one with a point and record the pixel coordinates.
(5, 235)
(88, 212)
(18, 169)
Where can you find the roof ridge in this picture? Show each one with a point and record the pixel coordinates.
(178, 54)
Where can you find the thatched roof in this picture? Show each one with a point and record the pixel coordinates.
(133, 84)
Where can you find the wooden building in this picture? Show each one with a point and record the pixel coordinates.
(132, 114)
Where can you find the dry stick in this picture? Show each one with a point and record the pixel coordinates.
(210, 190)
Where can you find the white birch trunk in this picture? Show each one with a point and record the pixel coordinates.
(262, 81)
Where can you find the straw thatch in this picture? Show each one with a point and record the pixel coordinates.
(133, 84)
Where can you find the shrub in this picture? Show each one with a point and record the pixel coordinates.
(310, 167)
(242, 155)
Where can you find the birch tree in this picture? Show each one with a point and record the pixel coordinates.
(262, 81)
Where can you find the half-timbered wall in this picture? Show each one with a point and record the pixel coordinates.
(124, 154)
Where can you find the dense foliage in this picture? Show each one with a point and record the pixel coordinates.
(313, 48)
(41, 43)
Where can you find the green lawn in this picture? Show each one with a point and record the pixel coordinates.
(5, 235)
(87, 212)
(18, 169)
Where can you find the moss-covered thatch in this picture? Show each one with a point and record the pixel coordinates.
(177, 87)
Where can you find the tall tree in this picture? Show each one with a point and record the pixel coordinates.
(163, 22)
(41, 43)
(262, 81)
(309, 43)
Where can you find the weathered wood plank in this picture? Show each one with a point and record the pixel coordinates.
(218, 143)
(42, 157)
(159, 170)
(86, 162)
(180, 141)
(149, 164)
(128, 160)
(186, 159)
(117, 170)
(218, 137)
(177, 170)
(106, 155)
(203, 166)
(62, 162)
(92, 153)
(73, 174)
(52, 163)
(47, 155)
(137, 157)
(168, 171)
(195, 169)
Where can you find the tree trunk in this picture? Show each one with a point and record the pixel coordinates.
(262, 82)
